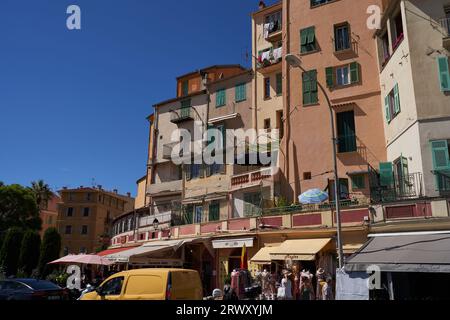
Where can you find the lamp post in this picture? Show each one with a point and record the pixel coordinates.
(295, 62)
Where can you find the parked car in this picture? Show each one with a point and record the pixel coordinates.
(150, 284)
(30, 289)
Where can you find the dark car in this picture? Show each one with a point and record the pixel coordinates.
(30, 289)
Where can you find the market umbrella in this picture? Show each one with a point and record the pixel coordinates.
(313, 196)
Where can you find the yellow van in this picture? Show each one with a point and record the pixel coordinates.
(150, 284)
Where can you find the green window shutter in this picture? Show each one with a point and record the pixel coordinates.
(188, 214)
(444, 73)
(220, 98)
(358, 182)
(311, 35)
(279, 83)
(241, 92)
(214, 211)
(397, 99)
(329, 73)
(388, 110)
(185, 88)
(304, 37)
(306, 89)
(386, 174)
(354, 72)
(441, 161)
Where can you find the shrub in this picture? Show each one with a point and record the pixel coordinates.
(29, 252)
(9, 254)
(50, 248)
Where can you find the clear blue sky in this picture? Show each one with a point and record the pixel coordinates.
(73, 104)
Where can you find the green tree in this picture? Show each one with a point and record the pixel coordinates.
(29, 252)
(42, 192)
(50, 248)
(9, 254)
(18, 208)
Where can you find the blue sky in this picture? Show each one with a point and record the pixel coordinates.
(73, 104)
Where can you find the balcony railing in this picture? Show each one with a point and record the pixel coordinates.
(183, 114)
(250, 179)
(402, 188)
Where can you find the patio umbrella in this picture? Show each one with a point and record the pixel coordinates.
(313, 196)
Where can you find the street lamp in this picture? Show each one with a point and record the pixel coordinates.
(295, 62)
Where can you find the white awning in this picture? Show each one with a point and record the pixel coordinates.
(220, 119)
(232, 243)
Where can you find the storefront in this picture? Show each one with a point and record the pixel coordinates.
(406, 266)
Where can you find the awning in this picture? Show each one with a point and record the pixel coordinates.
(112, 251)
(223, 118)
(232, 243)
(404, 253)
(263, 255)
(300, 250)
(151, 247)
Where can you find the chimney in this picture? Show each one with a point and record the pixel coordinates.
(115, 191)
(262, 5)
(100, 187)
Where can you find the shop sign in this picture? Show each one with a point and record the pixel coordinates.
(233, 243)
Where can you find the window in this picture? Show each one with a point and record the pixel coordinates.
(86, 212)
(385, 48)
(279, 87)
(198, 214)
(185, 88)
(341, 37)
(444, 73)
(397, 30)
(266, 88)
(241, 92)
(441, 164)
(307, 176)
(309, 82)
(266, 124)
(343, 75)
(88, 196)
(252, 204)
(273, 23)
(113, 287)
(84, 230)
(392, 104)
(70, 212)
(68, 230)
(319, 2)
(185, 108)
(221, 98)
(346, 132)
(401, 172)
(214, 211)
(358, 182)
(308, 40)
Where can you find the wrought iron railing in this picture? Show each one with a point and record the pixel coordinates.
(402, 188)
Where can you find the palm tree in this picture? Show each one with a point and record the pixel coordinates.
(42, 192)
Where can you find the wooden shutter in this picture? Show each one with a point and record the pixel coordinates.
(441, 159)
(386, 174)
(279, 83)
(311, 35)
(396, 99)
(388, 110)
(306, 87)
(354, 72)
(330, 77)
(185, 88)
(304, 37)
(444, 73)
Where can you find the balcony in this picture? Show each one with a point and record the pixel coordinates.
(182, 115)
(165, 188)
(269, 60)
(250, 179)
(167, 150)
(273, 31)
(163, 218)
(445, 23)
(401, 188)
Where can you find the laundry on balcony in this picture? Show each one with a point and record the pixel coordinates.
(270, 56)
